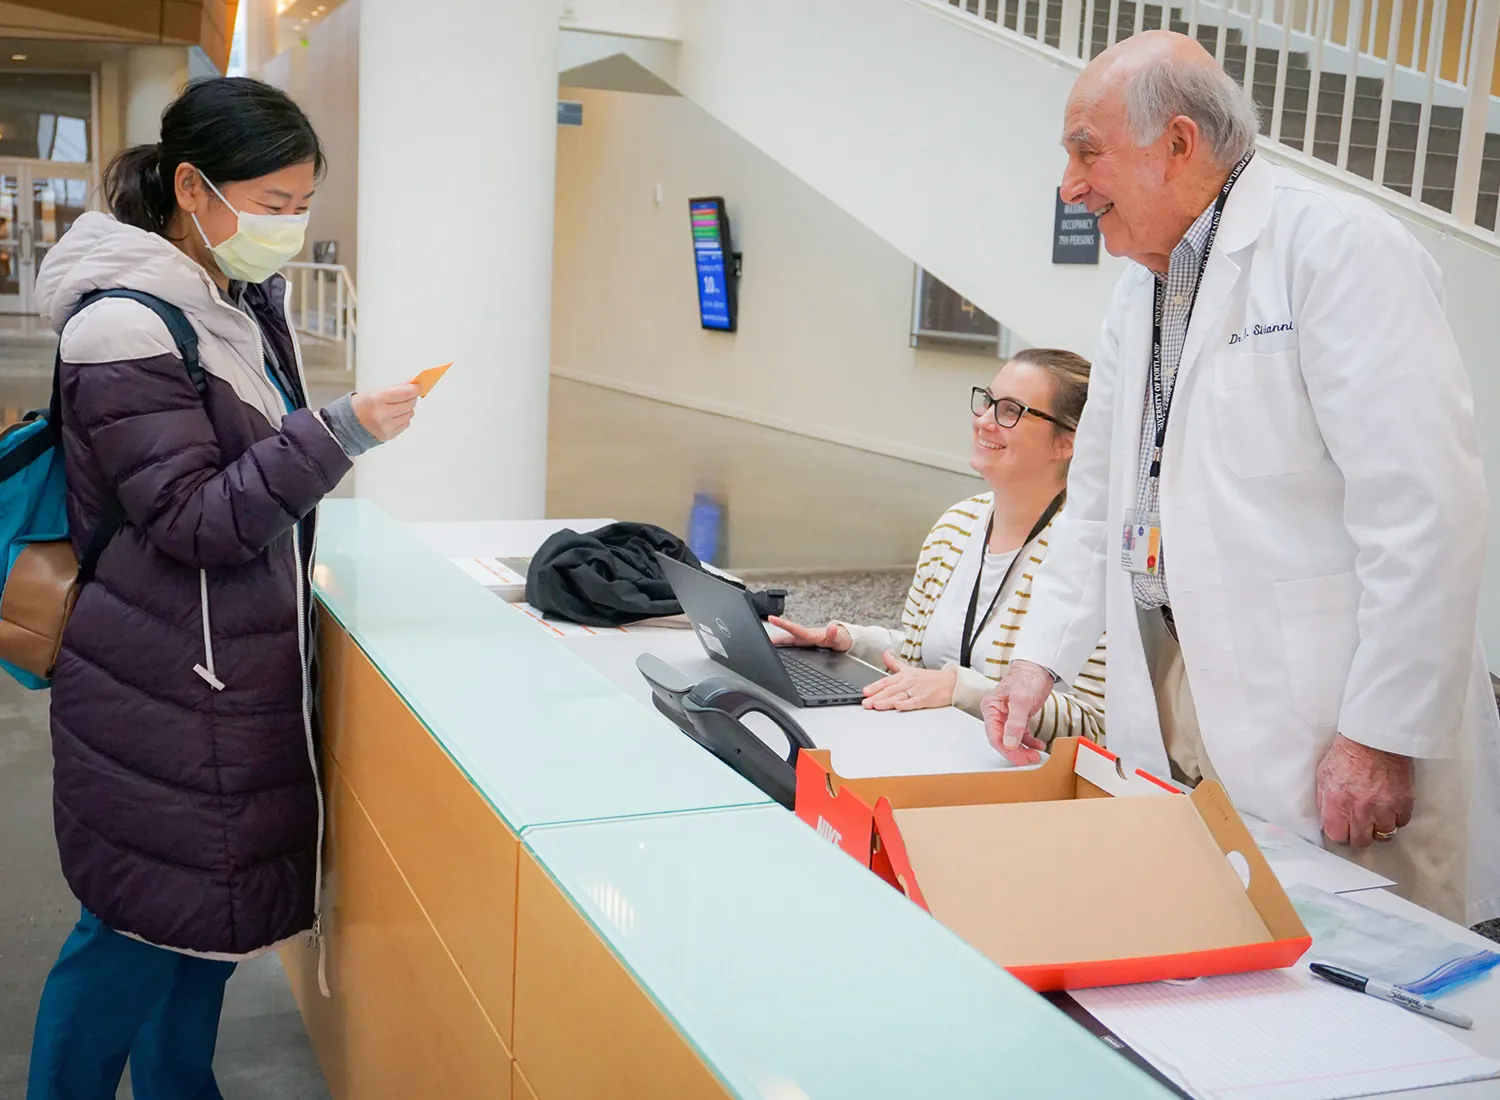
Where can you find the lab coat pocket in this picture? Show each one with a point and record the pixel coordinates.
(1264, 418)
(1320, 631)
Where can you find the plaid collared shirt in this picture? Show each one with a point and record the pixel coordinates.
(1179, 287)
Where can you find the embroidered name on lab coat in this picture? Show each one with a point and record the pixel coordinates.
(1259, 330)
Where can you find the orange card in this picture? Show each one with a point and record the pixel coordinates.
(430, 377)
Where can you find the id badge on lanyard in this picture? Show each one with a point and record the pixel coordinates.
(1140, 543)
(1140, 548)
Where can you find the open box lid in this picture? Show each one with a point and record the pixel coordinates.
(1079, 872)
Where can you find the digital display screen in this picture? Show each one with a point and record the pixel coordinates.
(711, 254)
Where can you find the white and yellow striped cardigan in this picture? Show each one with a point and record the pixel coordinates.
(1075, 712)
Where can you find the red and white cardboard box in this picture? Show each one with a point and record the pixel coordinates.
(1074, 874)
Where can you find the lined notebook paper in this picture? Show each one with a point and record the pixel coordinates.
(1282, 1035)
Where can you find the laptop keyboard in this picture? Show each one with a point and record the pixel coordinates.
(811, 683)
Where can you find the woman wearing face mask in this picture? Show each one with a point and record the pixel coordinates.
(186, 793)
(968, 599)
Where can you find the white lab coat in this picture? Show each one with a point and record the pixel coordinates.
(1323, 512)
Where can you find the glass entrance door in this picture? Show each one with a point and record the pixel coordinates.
(10, 239)
(38, 203)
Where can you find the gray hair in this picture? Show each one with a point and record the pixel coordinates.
(1165, 87)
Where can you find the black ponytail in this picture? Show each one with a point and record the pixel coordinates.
(230, 128)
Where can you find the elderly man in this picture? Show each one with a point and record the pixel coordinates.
(1278, 467)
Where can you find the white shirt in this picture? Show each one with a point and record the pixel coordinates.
(944, 639)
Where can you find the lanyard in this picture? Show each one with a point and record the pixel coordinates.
(971, 633)
(1161, 397)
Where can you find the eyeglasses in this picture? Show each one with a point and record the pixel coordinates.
(1008, 411)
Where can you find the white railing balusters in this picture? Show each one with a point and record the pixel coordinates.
(1476, 113)
(1304, 28)
(1424, 127)
(1278, 104)
(1314, 82)
(1351, 82)
(1252, 43)
(1462, 75)
(343, 326)
(1387, 92)
(1068, 36)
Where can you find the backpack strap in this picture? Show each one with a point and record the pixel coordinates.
(186, 339)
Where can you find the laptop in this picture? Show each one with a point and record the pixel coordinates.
(732, 634)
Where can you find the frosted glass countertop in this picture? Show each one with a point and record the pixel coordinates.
(542, 736)
(797, 973)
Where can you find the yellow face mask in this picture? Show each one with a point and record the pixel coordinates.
(260, 246)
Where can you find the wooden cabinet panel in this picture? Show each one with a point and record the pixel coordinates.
(520, 1088)
(402, 1022)
(584, 1029)
(454, 852)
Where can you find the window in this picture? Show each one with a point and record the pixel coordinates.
(46, 116)
(945, 320)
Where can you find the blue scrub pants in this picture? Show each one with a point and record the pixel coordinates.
(109, 998)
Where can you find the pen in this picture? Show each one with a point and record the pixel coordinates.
(1385, 992)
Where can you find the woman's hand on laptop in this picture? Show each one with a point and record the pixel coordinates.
(833, 636)
(911, 688)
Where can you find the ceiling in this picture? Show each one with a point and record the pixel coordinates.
(299, 16)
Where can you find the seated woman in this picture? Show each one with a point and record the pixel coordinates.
(968, 599)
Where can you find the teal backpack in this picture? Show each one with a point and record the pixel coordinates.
(42, 577)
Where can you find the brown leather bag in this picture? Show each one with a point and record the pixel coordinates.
(34, 607)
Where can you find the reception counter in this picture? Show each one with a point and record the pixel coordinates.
(538, 888)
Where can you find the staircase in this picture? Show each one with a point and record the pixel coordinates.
(1443, 136)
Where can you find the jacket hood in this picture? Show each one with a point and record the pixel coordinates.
(100, 253)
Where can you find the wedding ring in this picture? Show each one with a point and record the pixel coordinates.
(909, 695)
(1384, 836)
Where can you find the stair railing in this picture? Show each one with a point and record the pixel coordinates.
(1297, 58)
(314, 288)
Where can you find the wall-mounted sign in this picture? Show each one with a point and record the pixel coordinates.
(714, 256)
(1075, 234)
(569, 112)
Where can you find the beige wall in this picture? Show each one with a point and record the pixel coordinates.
(330, 96)
(154, 76)
(323, 77)
(825, 304)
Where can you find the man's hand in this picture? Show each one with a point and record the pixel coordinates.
(1008, 710)
(1364, 794)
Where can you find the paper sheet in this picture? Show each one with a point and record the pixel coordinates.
(1296, 861)
(491, 572)
(559, 628)
(1282, 1035)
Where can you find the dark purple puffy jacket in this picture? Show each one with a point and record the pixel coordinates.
(185, 793)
